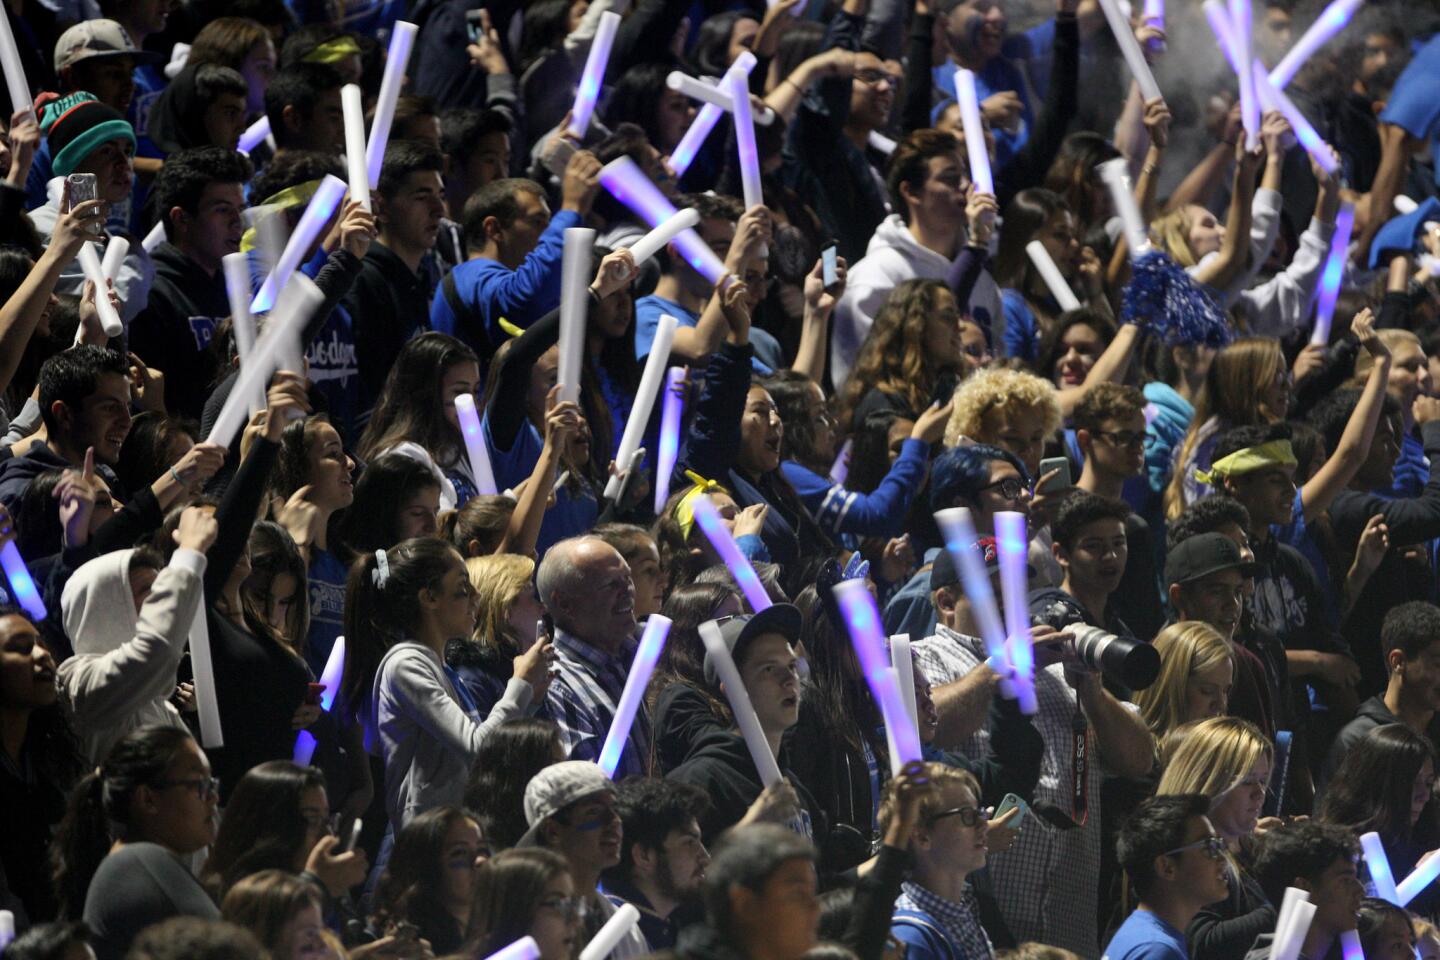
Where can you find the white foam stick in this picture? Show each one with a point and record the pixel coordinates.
(289, 351)
(1329, 23)
(650, 244)
(116, 250)
(900, 655)
(1404, 205)
(975, 147)
(1050, 273)
(318, 211)
(202, 666)
(90, 263)
(745, 143)
(475, 448)
(592, 78)
(397, 58)
(740, 705)
(7, 918)
(608, 937)
(650, 382)
(237, 290)
(333, 674)
(1272, 98)
(354, 108)
(705, 120)
(1117, 178)
(155, 237)
(523, 949)
(878, 141)
(718, 95)
(15, 82)
(1242, 31)
(1130, 48)
(1295, 932)
(254, 135)
(272, 232)
(574, 277)
(1378, 864)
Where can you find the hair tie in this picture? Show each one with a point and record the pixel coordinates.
(381, 573)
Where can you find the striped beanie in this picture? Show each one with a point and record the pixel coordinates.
(77, 124)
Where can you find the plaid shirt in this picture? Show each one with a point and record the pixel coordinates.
(1045, 883)
(583, 697)
(958, 920)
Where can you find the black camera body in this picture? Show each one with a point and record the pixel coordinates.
(1133, 664)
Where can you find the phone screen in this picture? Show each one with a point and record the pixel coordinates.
(827, 266)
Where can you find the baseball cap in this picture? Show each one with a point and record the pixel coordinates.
(1202, 555)
(944, 574)
(98, 38)
(782, 618)
(556, 787)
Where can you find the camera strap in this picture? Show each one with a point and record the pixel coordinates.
(1079, 767)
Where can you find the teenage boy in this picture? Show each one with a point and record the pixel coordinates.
(760, 898)
(662, 858)
(1318, 858)
(1091, 547)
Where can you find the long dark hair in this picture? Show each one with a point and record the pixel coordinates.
(379, 616)
(369, 523)
(508, 891)
(1024, 215)
(144, 454)
(273, 552)
(683, 659)
(791, 392)
(262, 828)
(1371, 790)
(98, 811)
(410, 406)
(513, 753)
(1052, 347)
(546, 24)
(837, 687)
(413, 877)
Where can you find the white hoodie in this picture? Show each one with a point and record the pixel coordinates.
(123, 671)
(892, 257)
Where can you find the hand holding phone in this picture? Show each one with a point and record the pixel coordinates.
(1056, 484)
(828, 270)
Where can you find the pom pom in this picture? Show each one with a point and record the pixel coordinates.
(1164, 298)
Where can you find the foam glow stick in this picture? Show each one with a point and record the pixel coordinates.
(1285, 920)
(840, 469)
(637, 680)
(90, 263)
(1130, 49)
(591, 79)
(19, 87)
(237, 289)
(745, 146)
(1329, 23)
(975, 147)
(479, 454)
(705, 120)
(621, 922)
(116, 250)
(1151, 412)
(1350, 945)
(1295, 931)
(1420, 878)
(1305, 132)
(254, 135)
(671, 416)
(720, 95)
(650, 383)
(397, 58)
(1241, 30)
(959, 531)
(650, 244)
(289, 352)
(333, 674)
(7, 918)
(628, 184)
(1379, 865)
(724, 543)
(155, 237)
(1333, 273)
(862, 622)
(574, 277)
(1012, 545)
(354, 109)
(304, 748)
(740, 706)
(1404, 205)
(904, 661)
(1155, 13)
(1116, 177)
(878, 141)
(1050, 273)
(312, 222)
(202, 666)
(1218, 17)
(523, 949)
(22, 585)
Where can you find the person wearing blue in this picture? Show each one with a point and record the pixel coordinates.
(514, 279)
(1176, 864)
(975, 32)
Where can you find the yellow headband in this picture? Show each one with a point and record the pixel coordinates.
(333, 51)
(296, 196)
(1276, 453)
(685, 508)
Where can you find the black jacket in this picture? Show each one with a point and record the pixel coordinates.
(1227, 929)
(174, 330)
(388, 304)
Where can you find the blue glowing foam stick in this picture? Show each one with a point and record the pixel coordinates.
(1272, 98)
(317, 214)
(475, 447)
(1379, 865)
(1333, 273)
(333, 674)
(254, 135)
(523, 949)
(593, 76)
(652, 642)
(959, 532)
(862, 622)
(1420, 878)
(705, 120)
(628, 184)
(719, 536)
(304, 748)
(1012, 545)
(1330, 22)
(22, 585)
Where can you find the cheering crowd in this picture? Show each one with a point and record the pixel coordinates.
(298, 660)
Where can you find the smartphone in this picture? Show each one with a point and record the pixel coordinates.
(354, 837)
(1010, 802)
(1059, 482)
(828, 271)
(312, 693)
(407, 931)
(473, 23)
(80, 187)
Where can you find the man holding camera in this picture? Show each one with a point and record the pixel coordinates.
(1091, 547)
(1046, 882)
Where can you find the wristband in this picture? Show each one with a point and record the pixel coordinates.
(176, 475)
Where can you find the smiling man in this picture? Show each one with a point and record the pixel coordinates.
(1091, 547)
(200, 196)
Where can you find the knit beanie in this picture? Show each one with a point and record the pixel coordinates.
(77, 124)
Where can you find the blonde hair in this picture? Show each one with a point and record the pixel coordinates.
(1172, 235)
(498, 579)
(1392, 337)
(1215, 755)
(1000, 389)
(1186, 648)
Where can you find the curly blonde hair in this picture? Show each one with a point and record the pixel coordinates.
(1000, 389)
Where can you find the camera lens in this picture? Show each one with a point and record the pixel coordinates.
(1133, 663)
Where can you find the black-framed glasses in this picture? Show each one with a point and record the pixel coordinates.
(205, 788)
(969, 816)
(1011, 488)
(1213, 846)
(1123, 438)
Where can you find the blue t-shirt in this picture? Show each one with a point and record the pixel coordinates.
(997, 76)
(648, 311)
(1144, 936)
(327, 606)
(573, 513)
(1022, 333)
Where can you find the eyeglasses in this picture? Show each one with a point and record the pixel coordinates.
(1213, 846)
(1123, 438)
(873, 77)
(969, 816)
(206, 788)
(1011, 488)
(569, 908)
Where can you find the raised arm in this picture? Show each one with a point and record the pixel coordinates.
(1345, 460)
(1221, 271)
(815, 320)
